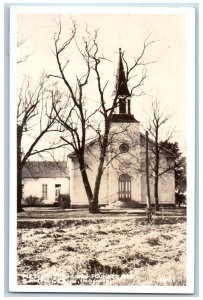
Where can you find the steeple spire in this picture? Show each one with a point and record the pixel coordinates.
(121, 87)
(122, 113)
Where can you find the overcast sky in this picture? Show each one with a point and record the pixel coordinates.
(167, 78)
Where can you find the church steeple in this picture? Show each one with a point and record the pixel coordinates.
(123, 95)
(121, 87)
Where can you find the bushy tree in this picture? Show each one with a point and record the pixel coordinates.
(180, 170)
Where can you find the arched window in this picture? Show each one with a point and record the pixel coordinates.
(124, 187)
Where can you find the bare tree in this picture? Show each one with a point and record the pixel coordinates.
(82, 124)
(35, 119)
(21, 41)
(161, 160)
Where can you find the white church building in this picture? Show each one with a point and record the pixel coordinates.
(124, 177)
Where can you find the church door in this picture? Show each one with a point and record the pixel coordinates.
(124, 187)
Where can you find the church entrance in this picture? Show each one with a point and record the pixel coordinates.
(124, 187)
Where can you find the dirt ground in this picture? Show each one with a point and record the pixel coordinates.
(75, 248)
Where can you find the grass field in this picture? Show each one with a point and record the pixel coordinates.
(101, 250)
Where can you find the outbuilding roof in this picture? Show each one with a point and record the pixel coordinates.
(45, 169)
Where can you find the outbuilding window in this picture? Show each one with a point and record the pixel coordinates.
(23, 191)
(44, 191)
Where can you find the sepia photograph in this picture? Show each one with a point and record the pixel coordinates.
(102, 116)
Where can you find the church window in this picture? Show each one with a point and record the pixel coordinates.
(122, 105)
(124, 148)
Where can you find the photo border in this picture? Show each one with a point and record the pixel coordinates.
(12, 164)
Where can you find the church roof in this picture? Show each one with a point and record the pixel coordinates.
(121, 87)
(123, 118)
(152, 144)
(142, 139)
(45, 169)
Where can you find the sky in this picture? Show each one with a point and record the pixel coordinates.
(167, 78)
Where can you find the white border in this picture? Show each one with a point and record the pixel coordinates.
(191, 138)
(200, 148)
(2, 161)
(190, 149)
(13, 158)
(100, 10)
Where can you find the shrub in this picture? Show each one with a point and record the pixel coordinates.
(180, 199)
(32, 200)
(64, 200)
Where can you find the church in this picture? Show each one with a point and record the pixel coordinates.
(124, 177)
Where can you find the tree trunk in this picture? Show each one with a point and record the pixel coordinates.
(93, 207)
(97, 185)
(87, 186)
(100, 170)
(156, 183)
(156, 193)
(19, 189)
(19, 169)
(147, 174)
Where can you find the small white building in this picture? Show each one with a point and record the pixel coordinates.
(45, 180)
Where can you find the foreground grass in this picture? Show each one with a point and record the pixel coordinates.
(102, 251)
